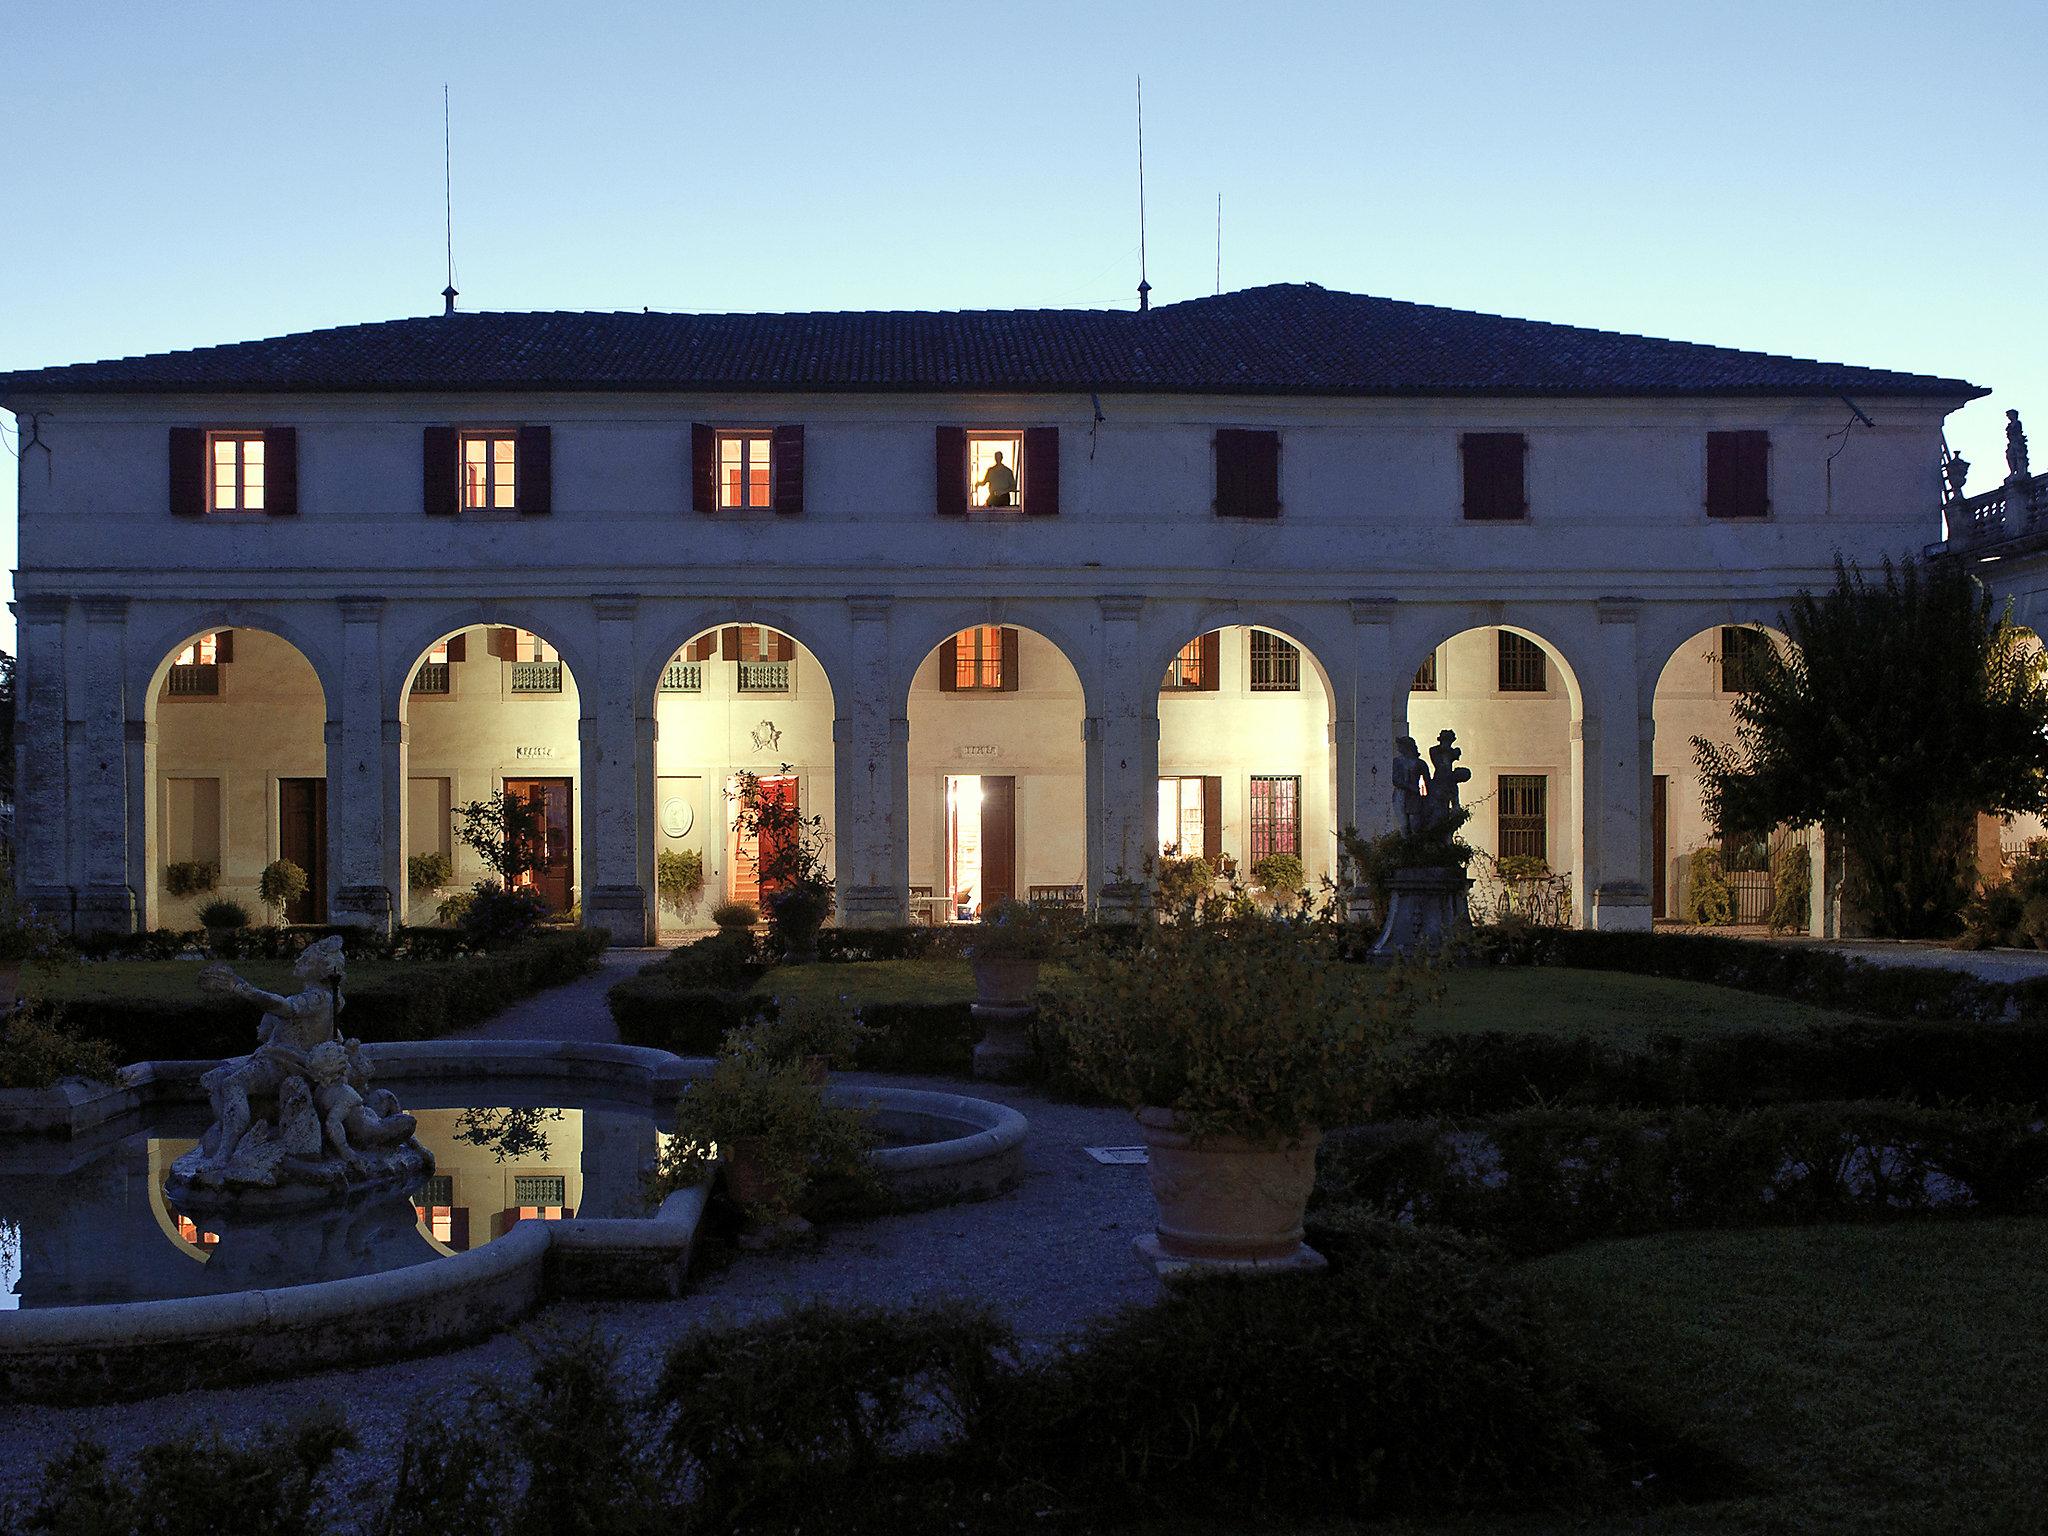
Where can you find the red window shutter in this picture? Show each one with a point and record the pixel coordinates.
(1495, 487)
(534, 472)
(729, 642)
(1738, 474)
(998, 839)
(949, 664)
(281, 471)
(1262, 474)
(700, 648)
(439, 472)
(703, 467)
(1212, 819)
(1209, 659)
(188, 472)
(458, 1229)
(504, 643)
(458, 647)
(787, 457)
(1230, 472)
(751, 648)
(224, 645)
(952, 472)
(1008, 682)
(780, 646)
(1042, 471)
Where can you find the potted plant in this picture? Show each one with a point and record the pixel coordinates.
(1280, 876)
(796, 886)
(222, 919)
(281, 883)
(766, 1125)
(735, 916)
(190, 877)
(1237, 1038)
(1008, 945)
(819, 1033)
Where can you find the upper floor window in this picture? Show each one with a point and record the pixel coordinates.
(1247, 473)
(1738, 474)
(1522, 666)
(999, 470)
(1744, 654)
(1276, 665)
(1425, 676)
(237, 479)
(1495, 482)
(195, 671)
(995, 461)
(1196, 669)
(490, 471)
(745, 469)
(433, 675)
(979, 660)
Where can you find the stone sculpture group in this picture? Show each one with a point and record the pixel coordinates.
(296, 1117)
(1428, 794)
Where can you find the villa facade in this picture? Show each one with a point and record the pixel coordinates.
(303, 597)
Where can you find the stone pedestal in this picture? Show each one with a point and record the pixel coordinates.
(1622, 906)
(104, 909)
(872, 906)
(620, 910)
(1121, 902)
(1003, 1009)
(1426, 909)
(362, 906)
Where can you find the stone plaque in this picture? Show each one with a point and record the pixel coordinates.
(677, 816)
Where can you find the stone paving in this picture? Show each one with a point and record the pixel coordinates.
(1048, 1256)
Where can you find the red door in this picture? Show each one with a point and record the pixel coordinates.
(551, 838)
(752, 854)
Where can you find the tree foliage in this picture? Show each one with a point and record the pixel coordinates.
(1904, 706)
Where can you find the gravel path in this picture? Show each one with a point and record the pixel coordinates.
(1048, 1256)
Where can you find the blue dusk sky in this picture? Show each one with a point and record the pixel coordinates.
(1856, 182)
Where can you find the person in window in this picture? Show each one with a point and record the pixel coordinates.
(1000, 481)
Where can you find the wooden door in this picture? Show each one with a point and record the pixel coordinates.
(749, 853)
(1660, 789)
(551, 838)
(998, 839)
(302, 838)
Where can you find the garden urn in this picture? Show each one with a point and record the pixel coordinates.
(1226, 1202)
(1003, 991)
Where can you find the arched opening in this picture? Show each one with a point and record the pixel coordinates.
(1512, 700)
(490, 708)
(238, 778)
(998, 775)
(732, 700)
(1753, 877)
(1247, 776)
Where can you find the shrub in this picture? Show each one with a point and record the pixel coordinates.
(191, 877)
(1414, 1378)
(1791, 888)
(453, 908)
(735, 914)
(1016, 930)
(1281, 873)
(679, 880)
(224, 914)
(1184, 881)
(429, 871)
(281, 883)
(37, 1051)
(1241, 1025)
(800, 1028)
(1709, 899)
(496, 917)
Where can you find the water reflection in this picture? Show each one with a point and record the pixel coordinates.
(87, 1222)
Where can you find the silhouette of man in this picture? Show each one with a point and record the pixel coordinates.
(1000, 481)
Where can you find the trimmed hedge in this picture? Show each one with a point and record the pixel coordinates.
(420, 1000)
(271, 943)
(1549, 1178)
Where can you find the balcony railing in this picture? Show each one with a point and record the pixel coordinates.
(1999, 515)
(194, 679)
(764, 677)
(536, 677)
(683, 677)
(432, 677)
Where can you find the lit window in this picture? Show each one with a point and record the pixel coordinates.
(978, 658)
(1180, 817)
(995, 469)
(489, 473)
(237, 471)
(1276, 815)
(1186, 670)
(1276, 665)
(203, 652)
(530, 647)
(743, 469)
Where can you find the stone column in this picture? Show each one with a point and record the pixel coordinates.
(41, 825)
(1614, 848)
(100, 792)
(395, 756)
(613, 766)
(871, 776)
(1379, 713)
(1123, 764)
(357, 823)
(139, 740)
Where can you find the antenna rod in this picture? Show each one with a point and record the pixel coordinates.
(448, 200)
(1144, 287)
(1219, 242)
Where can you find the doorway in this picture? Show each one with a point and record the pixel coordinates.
(1660, 852)
(302, 838)
(551, 834)
(751, 850)
(981, 843)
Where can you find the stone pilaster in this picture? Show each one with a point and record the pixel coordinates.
(1364, 743)
(617, 755)
(1615, 844)
(99, 795)
(871, 778)
(1123, 763)
(41, 821)
(139, 742)
(358, 825)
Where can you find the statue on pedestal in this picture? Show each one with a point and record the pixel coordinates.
(2015, 447)
(1411, 785)
(1445, 775)
(326, 1130)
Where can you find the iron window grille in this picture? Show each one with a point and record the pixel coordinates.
(1744, 653)
(1275, 815)
(1522, 667)
(1276, 664)
(438, 1190)
(1425, 676)
(1185, 670)
(1525, 816)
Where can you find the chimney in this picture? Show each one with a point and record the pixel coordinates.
(1144, 295)
(448, 299)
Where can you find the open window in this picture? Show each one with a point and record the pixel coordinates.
(979, 660)
(490, 471)
(236, 483)
(999, 470)
(995, 470)
(746, 473)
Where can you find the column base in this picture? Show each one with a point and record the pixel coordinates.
(54, 904)
(873, 906)
(1622, 906)
(104, 909)
(361, 906)
(621, 910)
(1122, 902)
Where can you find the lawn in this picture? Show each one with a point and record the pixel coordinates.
(1610, 1006)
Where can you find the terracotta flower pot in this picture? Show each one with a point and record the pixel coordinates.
(746, 1180)
(1228, 1200)
(1005, 983)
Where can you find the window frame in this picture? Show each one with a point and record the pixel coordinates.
(983, 671)
(1254, 826)
(1725, 663)
(1287, 657)
(1177, 679)
(464, 436)
(241, 437)
(1541, 660)
(1013, 440)
(1180, 782)
(1507, 784)
(1432, 667)
(1760, 435)
(748, 438)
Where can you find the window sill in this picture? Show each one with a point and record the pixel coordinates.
(236, 516)
(487, 515)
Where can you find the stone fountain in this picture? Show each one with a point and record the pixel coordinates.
(295, 1122)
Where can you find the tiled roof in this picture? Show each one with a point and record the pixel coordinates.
(1285, 339)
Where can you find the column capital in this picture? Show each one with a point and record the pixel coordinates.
(1121, 609)
(41, 609)
(870, 607)
(1372, 610)
(361, 610)
(104, 610)
(1618, 610)
(616, 605)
